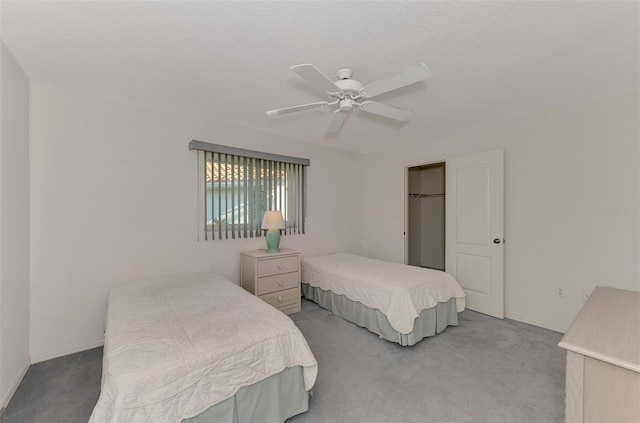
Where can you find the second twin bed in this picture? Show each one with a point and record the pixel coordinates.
(400, 303)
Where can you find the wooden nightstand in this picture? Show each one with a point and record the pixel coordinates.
(273, 277)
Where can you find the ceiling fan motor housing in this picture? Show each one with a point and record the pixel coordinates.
(349, 86)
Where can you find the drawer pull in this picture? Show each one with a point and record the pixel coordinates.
(279, 283)
(279, 298)
(280, 266)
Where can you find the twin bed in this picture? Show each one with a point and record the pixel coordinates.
(199, 348)
(399, 303)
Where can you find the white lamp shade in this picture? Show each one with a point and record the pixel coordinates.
(272, 220)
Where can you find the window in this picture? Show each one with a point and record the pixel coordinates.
(237, 186)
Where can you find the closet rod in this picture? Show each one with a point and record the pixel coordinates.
(425, 195)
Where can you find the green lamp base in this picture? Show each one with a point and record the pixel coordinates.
(273, 241)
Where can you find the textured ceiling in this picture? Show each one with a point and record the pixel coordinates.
(229, 60)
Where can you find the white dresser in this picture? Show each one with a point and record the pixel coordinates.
(274, 277)
(603, 359)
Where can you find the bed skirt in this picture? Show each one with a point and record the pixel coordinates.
(430, 322)
(275, 399)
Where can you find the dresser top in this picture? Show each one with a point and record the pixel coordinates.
(263, 252)
(608, 328)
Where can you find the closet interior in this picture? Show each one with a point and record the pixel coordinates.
(426, 216)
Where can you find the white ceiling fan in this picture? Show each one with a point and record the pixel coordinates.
(345, 92)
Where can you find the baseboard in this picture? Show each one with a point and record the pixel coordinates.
(14, 386)
(37, 358)
(522, 319)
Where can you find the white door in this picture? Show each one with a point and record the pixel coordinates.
(475, 228)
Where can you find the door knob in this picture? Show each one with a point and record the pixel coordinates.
(496, 241)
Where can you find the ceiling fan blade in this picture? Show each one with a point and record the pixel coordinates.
(336, 121)
(317, 78)
(386, 111)
(412, 75)
(297, 108)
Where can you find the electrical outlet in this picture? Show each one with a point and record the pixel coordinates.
(560, 292)
(585, 295)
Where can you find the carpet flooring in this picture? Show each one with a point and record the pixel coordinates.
(484, 370)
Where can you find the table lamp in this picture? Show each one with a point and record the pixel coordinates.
(273, 222)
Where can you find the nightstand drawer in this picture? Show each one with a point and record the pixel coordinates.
(278, 282)
(278, 265)
(282, 298)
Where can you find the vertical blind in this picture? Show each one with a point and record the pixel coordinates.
(240, 185)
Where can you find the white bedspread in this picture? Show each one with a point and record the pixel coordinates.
(176, 346)
(399, 291)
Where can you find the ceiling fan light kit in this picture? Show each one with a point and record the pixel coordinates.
(346, 104)
(345, 92)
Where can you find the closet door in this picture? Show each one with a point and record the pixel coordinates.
(475, 228)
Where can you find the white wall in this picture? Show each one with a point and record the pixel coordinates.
(564, 169)
(113, 198)
(14, 224)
